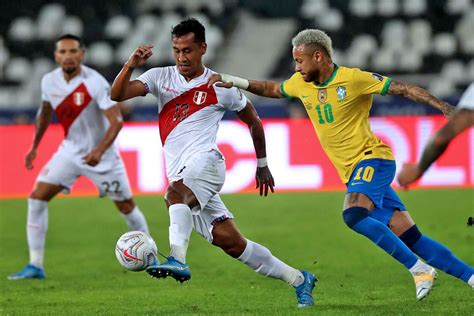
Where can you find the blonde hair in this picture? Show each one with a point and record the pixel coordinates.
(313, 37)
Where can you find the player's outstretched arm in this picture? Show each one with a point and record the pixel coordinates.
(124, 89)
(270, 89)
(115, 119)
(42, 122)
(263, 176)
(460, 121)
(419, 94)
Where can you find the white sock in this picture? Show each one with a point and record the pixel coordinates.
(36, 227)
(263, 262)
(181, 225)
(418, 266)
(136, 220)
(471, 281)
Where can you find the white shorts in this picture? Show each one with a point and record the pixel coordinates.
(204, 174)
(214, 212)
(63, 169)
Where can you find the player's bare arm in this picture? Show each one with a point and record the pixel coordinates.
(42, 122)
(263, 176)
(115, 119)
(124, 89)
(419, 94)
(265, 88)
(460, 121)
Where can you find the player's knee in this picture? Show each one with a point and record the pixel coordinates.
(126, 206)
(353, 215)
(172, 197)
(39, 195)
(411, 236)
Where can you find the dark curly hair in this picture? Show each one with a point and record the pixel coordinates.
(190, 25)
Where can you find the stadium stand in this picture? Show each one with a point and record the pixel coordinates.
(429, 43)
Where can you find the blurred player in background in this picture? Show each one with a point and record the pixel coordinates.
(189, 116)
(338, 100)
(462, 119)
(80, 96)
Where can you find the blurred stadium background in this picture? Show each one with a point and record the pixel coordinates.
(429, 43)
(426, 42)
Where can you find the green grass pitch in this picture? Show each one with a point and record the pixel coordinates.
(303, 229)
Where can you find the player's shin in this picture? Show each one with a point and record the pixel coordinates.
(264, 262)
(180, 229)
(136, 220)
(436, 254)
(36, 227)
(358, 219)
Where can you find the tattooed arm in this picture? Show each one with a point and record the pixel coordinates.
(418, 94)
(460, 121)
(271, 89)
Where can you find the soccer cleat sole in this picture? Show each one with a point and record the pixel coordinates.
(16, 278)
(162, 274)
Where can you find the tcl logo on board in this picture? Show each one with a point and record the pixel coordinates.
(295, 156)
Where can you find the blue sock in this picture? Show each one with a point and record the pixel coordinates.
(436, 254)
(357, 218)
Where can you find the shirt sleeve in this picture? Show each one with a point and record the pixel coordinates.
(232, 99)
(103, 96)
(150, 79)
(370, 83)
(289, 87)
(44, 93)
(467, 98)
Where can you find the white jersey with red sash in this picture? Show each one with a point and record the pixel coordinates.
(79, 106)
(189, 112)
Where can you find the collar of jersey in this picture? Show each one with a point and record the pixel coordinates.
(325, 83)
(196, 78)
(79, 75)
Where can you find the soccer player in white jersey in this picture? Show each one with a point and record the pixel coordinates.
(80, 96)
(461, 120)
(189, 116)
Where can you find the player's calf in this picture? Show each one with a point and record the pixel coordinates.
(358, 219)
(262, 261)
(436, 254)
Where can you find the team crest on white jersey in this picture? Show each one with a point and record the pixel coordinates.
(78, 98)
(199, 97)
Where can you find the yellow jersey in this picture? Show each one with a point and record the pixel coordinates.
(339, 110)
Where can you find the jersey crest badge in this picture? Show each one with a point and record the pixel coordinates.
(322, 95)
(78, 98)
(199, 97)
(341, 93)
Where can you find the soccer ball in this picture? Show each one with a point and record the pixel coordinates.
(135, 250)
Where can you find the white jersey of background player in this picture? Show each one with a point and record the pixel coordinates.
(80, 98)
(189, 115)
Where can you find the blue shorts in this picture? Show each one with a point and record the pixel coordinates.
(373, 177)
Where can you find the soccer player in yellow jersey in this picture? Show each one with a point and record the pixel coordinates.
(338, 100)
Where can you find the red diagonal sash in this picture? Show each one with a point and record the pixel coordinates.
(180, 108)
(70, 108)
